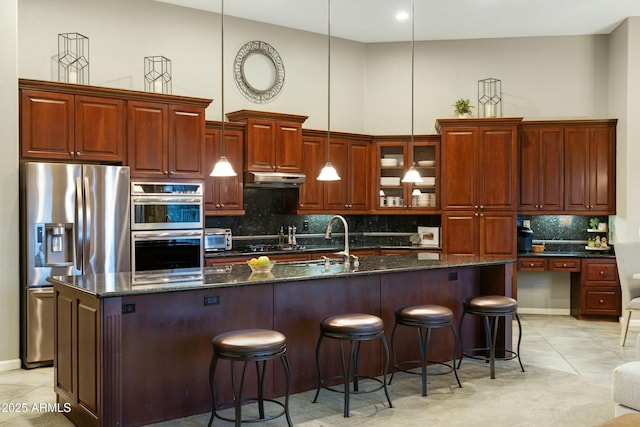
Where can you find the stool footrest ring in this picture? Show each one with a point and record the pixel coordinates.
(429, 362)
(351, 390)
(514, 355)
(250, 420)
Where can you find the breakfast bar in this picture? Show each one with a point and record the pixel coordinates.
(133, 354)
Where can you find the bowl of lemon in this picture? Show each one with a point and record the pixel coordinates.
(261, 264)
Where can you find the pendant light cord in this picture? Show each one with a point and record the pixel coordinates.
(222, 153)
(413, 23)
(329, 81)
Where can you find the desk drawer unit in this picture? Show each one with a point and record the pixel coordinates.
(596, 290)
(565, 264)
(532, 264)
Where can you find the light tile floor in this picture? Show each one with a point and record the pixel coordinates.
(589, 349)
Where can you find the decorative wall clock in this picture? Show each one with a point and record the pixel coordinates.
(258, 71)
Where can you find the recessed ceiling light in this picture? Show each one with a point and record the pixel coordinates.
(402, 15)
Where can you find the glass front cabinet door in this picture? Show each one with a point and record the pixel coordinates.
(393, 160)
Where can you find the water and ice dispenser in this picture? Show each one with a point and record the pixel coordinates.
(54, 244)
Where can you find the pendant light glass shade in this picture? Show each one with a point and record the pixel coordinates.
(222, 167)
(328, 172)
(412, 174)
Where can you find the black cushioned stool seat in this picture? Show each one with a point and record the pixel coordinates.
(249, 345)
(425, 318)
(354, 328)
(491, 307)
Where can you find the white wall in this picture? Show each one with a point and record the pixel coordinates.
(9, 258)
(545, 77)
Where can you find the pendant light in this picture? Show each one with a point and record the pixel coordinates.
(222, 167)
(328, 172)
(412, 174)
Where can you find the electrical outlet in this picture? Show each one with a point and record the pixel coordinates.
(211, 300)
(305, 225)
(128, 307)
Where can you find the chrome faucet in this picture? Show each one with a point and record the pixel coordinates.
(327, 235)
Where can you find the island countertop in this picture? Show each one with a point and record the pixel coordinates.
(121, 284)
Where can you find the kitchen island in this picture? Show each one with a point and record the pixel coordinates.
(129, 354)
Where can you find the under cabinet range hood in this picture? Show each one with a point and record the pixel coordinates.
(273, 179)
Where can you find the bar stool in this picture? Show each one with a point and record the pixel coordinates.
(425, 318)
(491, 308)
(354, 328)
(249, 345)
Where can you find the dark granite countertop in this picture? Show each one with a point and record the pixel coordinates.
(315, 248)
(119, 284)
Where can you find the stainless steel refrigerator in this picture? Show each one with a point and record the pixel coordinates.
(74, 220)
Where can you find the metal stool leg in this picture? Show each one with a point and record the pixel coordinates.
(461, 340)
(287, 370)
(212, 384)
(393, 352)
(315, 399)
(455, 354)
(424, 351)
(519, 338)
(385, 368)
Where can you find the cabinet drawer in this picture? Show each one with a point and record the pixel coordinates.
(600, 271)
(532, 264)
(601, 301)
(564, 264)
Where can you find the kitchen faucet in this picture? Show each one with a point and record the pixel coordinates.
(327, 235)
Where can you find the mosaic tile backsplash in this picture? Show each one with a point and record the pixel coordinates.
(564, 232)
(265, 214)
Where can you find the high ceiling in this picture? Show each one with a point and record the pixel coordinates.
(374, 20)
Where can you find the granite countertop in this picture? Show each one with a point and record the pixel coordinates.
(313, 248)
(119, 284)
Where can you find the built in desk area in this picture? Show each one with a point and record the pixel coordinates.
(128, 354)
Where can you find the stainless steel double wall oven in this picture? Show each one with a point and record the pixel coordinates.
(167, 237)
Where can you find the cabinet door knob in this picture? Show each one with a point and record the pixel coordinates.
(531, 264)
(601, 273)
(564, 265)
(70, 153)
(601, 301)
(171, 172)
(166, 172)
(78, 154)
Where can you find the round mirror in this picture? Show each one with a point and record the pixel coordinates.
(258, 71)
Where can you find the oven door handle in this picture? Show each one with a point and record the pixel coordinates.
(168, 234)
(165, 200)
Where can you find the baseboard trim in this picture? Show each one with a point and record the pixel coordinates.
(547, 311)
(9, 365)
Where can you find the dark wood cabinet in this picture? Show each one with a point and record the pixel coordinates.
(479, 233)
(479, 164)
(65, 126)
(589, 162)
(595, 292)
(166, 140)
(352, 193)
(223, 195)
(273, 141)
(541, 169)
(479, 185)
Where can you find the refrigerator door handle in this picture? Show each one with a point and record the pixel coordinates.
(79, 224)
(88, 215)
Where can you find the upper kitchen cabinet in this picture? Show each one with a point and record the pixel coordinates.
(479, 163)
(223, 195)
(541, 168)
(392, 159)
(166, 140)
(273, 141)
(68, 122)
(589, 164)
(350, 157)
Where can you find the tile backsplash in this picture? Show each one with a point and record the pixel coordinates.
(569, 231)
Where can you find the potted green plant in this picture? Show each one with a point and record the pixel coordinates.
(462, 108)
